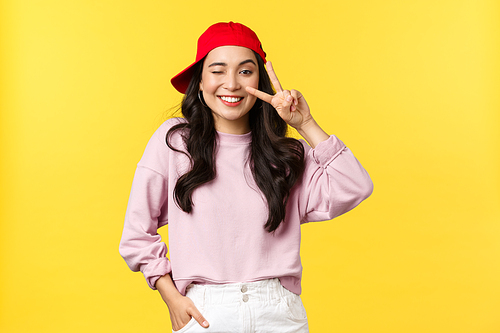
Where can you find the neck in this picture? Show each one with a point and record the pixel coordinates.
(238, 126)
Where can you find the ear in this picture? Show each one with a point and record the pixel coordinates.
(201, 86)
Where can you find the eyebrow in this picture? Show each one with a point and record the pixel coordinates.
(224, 64)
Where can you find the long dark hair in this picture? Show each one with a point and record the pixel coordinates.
(276, 161)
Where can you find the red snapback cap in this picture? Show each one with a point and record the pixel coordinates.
(219, 34)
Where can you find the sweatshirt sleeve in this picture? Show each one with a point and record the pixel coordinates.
(141, 246)
(334, 182)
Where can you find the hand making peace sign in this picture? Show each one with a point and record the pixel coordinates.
(290, 104)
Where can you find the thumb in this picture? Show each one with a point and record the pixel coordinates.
(199, 318)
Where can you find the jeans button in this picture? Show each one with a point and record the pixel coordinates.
(244, 289)
(245, 298)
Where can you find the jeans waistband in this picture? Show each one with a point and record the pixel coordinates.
(269, 290)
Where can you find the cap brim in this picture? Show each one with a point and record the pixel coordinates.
(181, 81)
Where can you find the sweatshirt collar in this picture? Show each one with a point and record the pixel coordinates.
(226, 138)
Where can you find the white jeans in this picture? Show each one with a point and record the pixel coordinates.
(261, 306)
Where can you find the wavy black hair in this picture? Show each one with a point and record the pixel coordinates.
(276, 161)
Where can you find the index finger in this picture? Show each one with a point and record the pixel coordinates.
(260, 94)
(273, 77)
(199, 318)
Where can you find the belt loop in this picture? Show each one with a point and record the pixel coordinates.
(269, 291)
(204, 296)
(273, 291)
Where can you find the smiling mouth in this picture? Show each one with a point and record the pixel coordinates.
(231, 100)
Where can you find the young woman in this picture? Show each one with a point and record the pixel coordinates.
(234, 192)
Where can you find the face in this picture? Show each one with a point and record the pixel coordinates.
(227, 70)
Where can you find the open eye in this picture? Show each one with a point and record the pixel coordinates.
(246, 72)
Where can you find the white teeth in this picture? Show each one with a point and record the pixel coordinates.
(231, 99)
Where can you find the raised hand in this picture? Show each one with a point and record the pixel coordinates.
(292, 108)
(290, 104)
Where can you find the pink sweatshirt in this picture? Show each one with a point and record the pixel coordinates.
(223, 240)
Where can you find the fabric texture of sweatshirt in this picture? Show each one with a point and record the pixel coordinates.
(223, 239)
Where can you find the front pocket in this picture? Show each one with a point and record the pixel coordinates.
(190, 323)
(294, 308)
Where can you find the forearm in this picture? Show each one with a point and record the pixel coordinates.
(312, 133)
(167, 289)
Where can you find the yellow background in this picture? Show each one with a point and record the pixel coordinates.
(412, 87)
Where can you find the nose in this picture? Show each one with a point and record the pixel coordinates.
(232, 83)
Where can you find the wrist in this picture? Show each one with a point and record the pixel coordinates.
(312, 132)
(306, 126)
(167, 289)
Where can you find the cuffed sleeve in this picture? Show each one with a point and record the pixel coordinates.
(334, 181)
(141, 246)
(155, 270)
